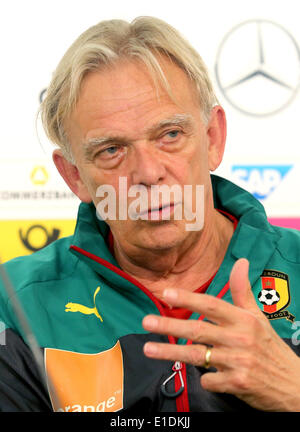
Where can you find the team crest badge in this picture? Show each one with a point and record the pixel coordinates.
(274, 296)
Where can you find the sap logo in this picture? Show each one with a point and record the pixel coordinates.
(260, 180)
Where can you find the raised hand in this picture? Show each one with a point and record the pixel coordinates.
(252, 361)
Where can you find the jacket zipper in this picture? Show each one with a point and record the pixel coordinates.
(182, 402)
(179, 369)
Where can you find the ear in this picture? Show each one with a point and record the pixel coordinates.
(71, 176)
(216, 132)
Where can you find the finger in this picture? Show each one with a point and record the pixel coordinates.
(196, 331)
(192, 354)
(217, 382)
(213, 308)
(227, 381)
(240, 287)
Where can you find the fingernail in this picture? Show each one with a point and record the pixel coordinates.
(150, 348)
(150, 322)
(170, 294)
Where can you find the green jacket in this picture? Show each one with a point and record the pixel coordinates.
(86, 314)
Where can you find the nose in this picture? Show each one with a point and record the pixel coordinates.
(148, 167)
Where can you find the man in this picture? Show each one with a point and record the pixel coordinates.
(151, 312)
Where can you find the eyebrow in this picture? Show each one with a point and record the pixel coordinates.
(183, 120)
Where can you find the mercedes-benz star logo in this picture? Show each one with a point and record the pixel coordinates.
(258, 67)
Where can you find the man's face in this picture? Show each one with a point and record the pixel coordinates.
(123, 126)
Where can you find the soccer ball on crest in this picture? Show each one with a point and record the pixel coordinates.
(268, 296)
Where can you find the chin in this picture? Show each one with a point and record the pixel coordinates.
(162, 237)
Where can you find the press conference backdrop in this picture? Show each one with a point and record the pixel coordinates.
(251, 49)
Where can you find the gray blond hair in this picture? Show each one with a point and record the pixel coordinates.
(145, 39)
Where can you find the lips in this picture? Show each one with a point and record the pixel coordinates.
(162, 207)
(163, 212)
(155, 213)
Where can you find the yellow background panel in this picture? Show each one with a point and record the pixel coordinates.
(23, 237)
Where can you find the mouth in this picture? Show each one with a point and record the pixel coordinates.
(163, 212)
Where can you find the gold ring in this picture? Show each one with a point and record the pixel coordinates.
(207, 358)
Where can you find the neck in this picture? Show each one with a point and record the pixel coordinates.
(187, 266)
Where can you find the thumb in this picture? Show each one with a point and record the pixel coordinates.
(240, 287)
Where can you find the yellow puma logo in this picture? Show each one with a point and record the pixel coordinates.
(76, 307)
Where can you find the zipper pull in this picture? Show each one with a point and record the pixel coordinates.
(176, 368)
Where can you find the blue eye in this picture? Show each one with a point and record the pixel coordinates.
(173, 134)
(111, 150)
(108, 153)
